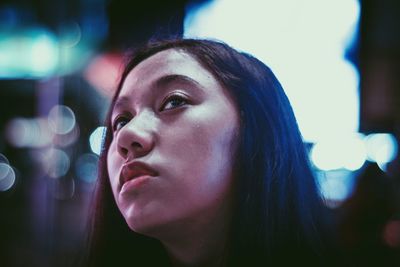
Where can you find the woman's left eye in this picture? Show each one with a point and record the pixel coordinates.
(173, 101)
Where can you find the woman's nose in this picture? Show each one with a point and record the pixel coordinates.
(136, 138)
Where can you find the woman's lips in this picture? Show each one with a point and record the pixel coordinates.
(133, 170)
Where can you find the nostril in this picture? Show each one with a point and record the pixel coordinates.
(136, 145)
(124, 151)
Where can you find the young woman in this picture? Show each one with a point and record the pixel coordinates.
(203, 165)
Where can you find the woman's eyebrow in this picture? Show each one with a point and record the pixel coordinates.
(120, 103)
(162, 82)
(171, 79)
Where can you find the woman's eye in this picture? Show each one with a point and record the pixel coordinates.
(120, 122)
(173, 102)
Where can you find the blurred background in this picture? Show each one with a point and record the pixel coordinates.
(338, 62)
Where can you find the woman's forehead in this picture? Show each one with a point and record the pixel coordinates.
(167, 63)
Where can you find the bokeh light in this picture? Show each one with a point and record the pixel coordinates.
(70, 33)
(335, 186)
(382, 148)
(355, 153)
(103, 73)
(44, 54)
(56, 162)
(30, 53)
(7, 177)
(307, 57)
(61, 119)
(86, 167)
(4, 159)
(346, 152)
(64, 140)
(23, 132)
(96, 139)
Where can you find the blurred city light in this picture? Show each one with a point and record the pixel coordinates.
(26, 54)
(355, 153)
(346, 152)
(38, 53)
(56, 162)
(7, 177)
(44, 54)
(103, 73)
(70, 34)
(23, 132)
(96, 139)
(64, 140)
(335, 186)
(307, 57)
(61, 119)
(86, 167)
(382, 148)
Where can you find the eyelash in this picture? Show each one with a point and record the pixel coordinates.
(118, 119)
(175, 97)
(182, 101)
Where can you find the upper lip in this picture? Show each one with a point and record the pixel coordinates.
(134, 169)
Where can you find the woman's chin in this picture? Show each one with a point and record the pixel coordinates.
(144, 224)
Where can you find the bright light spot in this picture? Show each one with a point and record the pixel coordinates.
(326, 156)
(7, 177)
(381, 148)
(4, 170)
(29, 53)
(64, 140)
(86, 167)
(335, 185)
(44, 54)
(96, 139)
(103, 73)
(342, 152)
(56, 162)
(18, 132)
(307, 57)
(21, 132)
(61, 119)
(355, 153)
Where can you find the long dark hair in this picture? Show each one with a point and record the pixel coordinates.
(277, 208)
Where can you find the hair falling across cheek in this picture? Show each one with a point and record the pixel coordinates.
(112, 166)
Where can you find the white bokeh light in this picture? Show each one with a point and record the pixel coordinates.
(7, 177)
(96, 139)
(86, 167)
(382, 148)
(343, 152)
(44, 54)
(303, 42)
(61, 119)
(56, 162)
(28, 132)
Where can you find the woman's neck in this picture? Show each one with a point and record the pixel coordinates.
(198, 248)
(201, 241)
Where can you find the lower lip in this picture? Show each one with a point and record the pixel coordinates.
(135, 183)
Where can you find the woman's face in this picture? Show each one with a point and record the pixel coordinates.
(175, 136)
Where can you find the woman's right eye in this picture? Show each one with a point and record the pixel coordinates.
(120, 122)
